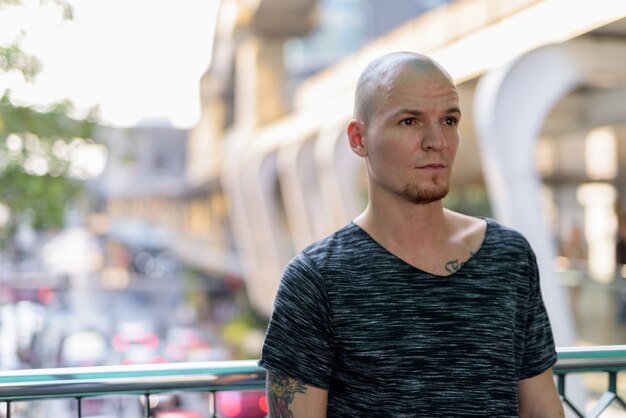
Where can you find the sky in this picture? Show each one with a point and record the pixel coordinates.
(139, 61)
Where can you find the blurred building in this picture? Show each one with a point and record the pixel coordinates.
(145, 170)
(261, 56)
(268, 168)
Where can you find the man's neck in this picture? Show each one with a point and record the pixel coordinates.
(406, 224)
(428, 237)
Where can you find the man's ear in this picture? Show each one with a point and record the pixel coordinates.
(356, 132)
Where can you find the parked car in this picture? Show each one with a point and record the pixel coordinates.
(242, 404)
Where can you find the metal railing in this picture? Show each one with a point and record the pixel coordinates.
(608, 360)
(143, 380)
(212, 377)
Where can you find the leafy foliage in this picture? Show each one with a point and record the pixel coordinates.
(13, 58)
(49, 123)
(36, 145)
(38, 200)
(35, 159)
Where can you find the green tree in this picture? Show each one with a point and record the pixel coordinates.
(36, 145)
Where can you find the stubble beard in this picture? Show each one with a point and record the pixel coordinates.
(419, 194)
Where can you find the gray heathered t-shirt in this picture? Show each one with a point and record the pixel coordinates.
(389, 340)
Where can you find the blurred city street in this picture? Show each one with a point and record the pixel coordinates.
(111, 306)
(161, 163)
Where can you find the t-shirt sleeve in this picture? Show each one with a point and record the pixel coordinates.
(539, 350)
(298, 339)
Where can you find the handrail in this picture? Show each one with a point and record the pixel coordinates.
(132, 379)
(593, 351)
(590, 359)
(608, 359)
(81, 382)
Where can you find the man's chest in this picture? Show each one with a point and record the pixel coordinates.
(409, 324)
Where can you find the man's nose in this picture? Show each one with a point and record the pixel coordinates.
(434, 138)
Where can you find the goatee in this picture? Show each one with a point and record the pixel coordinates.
(422, 195)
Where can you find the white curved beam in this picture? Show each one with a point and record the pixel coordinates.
(249, 184)
(339, 171)
(511, 105)
(300, 186)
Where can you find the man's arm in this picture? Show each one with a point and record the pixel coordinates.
(286, 395)
(538, 398)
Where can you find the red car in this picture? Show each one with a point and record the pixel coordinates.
(242, 404)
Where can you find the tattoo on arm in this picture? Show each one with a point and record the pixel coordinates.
(455, 265)
(281, 391)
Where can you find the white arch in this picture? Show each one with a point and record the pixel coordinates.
(511, 105)
(249, 182)
(339, 170)
(301, 191)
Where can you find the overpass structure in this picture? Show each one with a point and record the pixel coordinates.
(542, 85)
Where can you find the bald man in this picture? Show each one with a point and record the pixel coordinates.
(410, 310)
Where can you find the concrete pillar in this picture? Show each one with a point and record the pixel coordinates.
(264, 247)
(511, 105)
(301, 191)
(260, 81)
(341, 176)
(204, 152)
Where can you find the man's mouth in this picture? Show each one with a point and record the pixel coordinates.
(432, 166)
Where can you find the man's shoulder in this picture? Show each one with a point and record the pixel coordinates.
(504, 238)
(341, 240)
(336, 248)
(333, 253)
(503, 231)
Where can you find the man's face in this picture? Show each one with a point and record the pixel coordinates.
(412, 136)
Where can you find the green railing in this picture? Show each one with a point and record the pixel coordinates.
(143, 380)
(211, 377)
(608, 360)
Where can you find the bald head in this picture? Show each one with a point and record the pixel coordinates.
(380, 75)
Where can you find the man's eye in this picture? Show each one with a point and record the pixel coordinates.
(408, 122)
(450, 121)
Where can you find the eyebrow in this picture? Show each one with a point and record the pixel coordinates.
(417, 113)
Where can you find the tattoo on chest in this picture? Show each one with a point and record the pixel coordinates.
(455, 265)
(281, 391)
